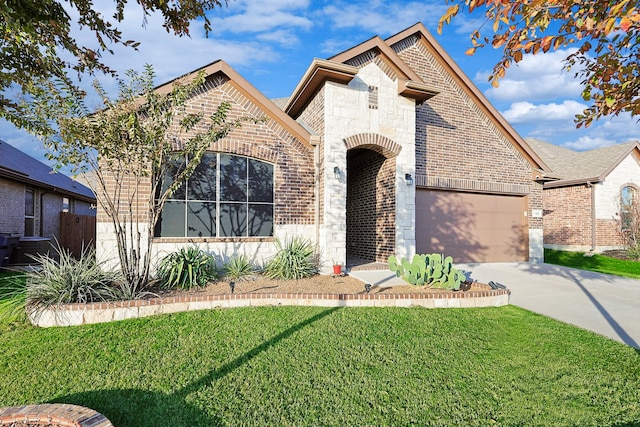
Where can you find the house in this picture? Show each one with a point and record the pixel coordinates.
(32, 198)
(582, 210)
(386, 148)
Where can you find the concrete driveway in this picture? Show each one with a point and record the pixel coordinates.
(607, 305)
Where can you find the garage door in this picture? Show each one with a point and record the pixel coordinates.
(472, 227)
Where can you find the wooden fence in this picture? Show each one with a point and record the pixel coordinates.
(77, 232)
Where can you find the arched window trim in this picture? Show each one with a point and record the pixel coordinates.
(234, 201)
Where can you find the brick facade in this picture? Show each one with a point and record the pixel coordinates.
(12, 207)
(267, 140)
(570, 211)
(47, 207)
(567, 216)
(371, 205)
(459, 147)
(441, 136)
(454, 138)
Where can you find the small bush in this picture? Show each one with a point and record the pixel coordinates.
(295, 260)
(238, 268)
(70, 280)
(188, 268)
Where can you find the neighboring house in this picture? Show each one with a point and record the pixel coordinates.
(582, 206)
(386, 148)
(32, 197)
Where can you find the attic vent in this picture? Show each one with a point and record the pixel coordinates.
(373, 97)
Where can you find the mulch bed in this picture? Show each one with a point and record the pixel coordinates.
(316, 284)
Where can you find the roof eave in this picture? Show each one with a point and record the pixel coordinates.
(319, 71)
(22, 178)
(247, 89)
(615, 164)
(415, 90)
(393, 60)
(572, 182)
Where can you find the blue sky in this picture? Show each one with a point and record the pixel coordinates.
(272, 42)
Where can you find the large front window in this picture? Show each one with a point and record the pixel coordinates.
(226, 196)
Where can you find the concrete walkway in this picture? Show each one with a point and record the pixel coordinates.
(607, 305)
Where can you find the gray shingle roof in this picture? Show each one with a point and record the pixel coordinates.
(16, 165)
(574, 166)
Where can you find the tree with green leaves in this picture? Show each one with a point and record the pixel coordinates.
(36, 38)
(605, 35)
(134, 150)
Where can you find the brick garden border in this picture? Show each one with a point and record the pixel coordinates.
(81, 314)
(52, 414)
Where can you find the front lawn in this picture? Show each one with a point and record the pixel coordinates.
(597, 263)
(322, 366)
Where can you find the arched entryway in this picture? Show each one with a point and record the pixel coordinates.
(371, 201)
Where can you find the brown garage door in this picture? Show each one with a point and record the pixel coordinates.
(472, 227)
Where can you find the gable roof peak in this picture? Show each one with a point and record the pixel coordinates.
(376, 44)
(266, 105)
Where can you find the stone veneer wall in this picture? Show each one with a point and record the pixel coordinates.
(294, 210)
(347, 115)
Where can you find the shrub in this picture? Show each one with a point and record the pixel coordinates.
(297, 259)
(69, 280)
(187, 268)
(238, 267)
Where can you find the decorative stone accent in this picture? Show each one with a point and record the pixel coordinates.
(52, 415)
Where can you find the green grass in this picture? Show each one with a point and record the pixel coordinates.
(597, 263)
(319, 366)
(12, 297)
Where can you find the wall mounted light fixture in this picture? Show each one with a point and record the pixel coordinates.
(337, 173)
(408, 179)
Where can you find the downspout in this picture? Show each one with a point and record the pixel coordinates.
(316, 191)
(593, 215)
(40, 214)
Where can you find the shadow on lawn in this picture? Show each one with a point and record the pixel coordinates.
(578, 277)
(142, 408)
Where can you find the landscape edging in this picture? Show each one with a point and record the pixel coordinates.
(83, 314)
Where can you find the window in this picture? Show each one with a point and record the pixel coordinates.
(29, 212)
(226, 196)
(65, 204)
(627, 204)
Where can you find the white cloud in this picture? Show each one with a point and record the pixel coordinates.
(585, 143)
(523, 112)
(602, 133)
(536, 77)
(382, 18)
(21, 140)
(285, 38)
(256, 17)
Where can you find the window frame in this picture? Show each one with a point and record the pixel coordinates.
(30, 217)
(219, 204)
(625, 223)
